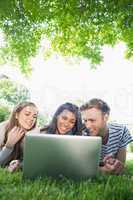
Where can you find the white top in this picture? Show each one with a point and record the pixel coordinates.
(5, 152)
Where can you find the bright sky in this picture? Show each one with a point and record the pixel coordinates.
(56, 81)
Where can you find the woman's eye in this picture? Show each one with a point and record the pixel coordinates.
(34, 116)
(73, 122)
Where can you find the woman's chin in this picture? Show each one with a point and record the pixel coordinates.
(63, 132)
(27, 128)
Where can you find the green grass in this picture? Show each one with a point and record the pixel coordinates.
(107, 187)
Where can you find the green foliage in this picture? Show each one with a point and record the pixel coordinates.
(4, 113)
(75, 28)
(11, 93)
(14, 187)
(42, 120)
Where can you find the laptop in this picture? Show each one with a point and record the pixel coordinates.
(75, 157)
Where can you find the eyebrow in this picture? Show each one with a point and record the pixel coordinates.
(26, 111)
(74, 120)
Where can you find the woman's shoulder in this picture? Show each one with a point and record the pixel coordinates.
(44, 132)
(35, 130)
(3, 124)
(2, 131)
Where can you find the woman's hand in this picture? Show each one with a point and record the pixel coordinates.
(14, 136)
(14, 166)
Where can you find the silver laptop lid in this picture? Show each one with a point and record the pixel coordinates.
(61, 155)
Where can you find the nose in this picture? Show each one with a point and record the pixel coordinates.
(31, 118)
(66, 124)
(88, 124)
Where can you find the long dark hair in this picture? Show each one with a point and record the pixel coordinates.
(16, 154)
(52, 127)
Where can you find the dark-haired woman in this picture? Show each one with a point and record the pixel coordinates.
(66, 121)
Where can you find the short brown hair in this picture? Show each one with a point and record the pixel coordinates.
(96, 103)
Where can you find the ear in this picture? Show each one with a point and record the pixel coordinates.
(106, 117)
(16, 116)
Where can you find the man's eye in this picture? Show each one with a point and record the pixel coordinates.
(85, 120)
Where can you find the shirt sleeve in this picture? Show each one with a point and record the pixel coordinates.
(126, 137)
(4, 154)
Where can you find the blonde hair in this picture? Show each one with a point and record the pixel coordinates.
(17, 152)
(12, 120)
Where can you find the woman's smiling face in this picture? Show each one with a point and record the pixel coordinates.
(27, 117)
(65, 121)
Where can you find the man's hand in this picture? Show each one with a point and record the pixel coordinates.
(112, 165)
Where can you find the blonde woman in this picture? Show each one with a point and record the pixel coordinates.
(22, 119)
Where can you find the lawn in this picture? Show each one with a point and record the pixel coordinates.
(109, 187)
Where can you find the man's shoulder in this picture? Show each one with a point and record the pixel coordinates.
(117, 127)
